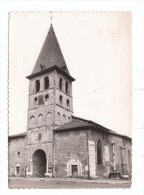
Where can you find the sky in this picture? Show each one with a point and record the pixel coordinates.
(97, 50)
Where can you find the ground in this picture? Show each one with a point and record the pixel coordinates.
(56, 183)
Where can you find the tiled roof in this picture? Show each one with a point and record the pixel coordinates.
(50, 56)
(79, 123)
(73, 124)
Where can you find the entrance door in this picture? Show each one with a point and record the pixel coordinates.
(74, 171)
(17, 170)
(39, 163)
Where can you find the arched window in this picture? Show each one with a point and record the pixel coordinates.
(61, 99)
(99, 152)
(17, 171)
(40, 118)
(68, 119)
(49, 117)
(67, 102)
(64, 119)
(35, 99)
(32, 119)
(46, 82)
(66, 87)
(60, 83)
(58, 118)
(46, 97)
(37, 85)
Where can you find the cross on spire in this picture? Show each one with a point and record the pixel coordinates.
(51, 17)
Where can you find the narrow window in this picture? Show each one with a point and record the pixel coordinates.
(67, 102)
(39, 137)
(46, 82)
(99, 152)
(60, 99)
(35, 99)
(58, 118)
(46, 97)
(37, 85)
(17, 170)
(60, 83)
(64, 119)
(66, 87)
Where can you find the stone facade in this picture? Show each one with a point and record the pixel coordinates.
(57, 144)
(82, 146)
(70, 146)
(17, 157)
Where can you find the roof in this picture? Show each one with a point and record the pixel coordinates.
(17, 135)
(50, 56)
(80, 123)
(77, 124)
(74, 124)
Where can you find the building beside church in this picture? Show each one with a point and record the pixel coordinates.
(58, 144)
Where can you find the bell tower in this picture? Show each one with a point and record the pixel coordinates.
(50, 98)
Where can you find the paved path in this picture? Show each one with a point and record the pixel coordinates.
(66, 183)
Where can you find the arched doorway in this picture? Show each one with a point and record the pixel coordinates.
(39, 163)
(17, 170)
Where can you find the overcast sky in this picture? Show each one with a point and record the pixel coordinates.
(97, 50)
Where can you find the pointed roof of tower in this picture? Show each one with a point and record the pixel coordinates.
(50, 57)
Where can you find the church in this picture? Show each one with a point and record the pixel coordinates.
(57, 143)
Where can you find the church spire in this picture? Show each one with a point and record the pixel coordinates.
(50, 57)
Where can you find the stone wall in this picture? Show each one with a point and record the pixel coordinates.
(70, 148)
(115, 151)
(122, 146)
(81, 145)
(16, 156)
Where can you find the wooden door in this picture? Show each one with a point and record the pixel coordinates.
(74, 171)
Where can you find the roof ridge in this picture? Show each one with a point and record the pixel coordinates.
(85, 120)
(100, 126)
(18, 134)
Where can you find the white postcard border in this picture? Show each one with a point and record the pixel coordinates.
(137, 8)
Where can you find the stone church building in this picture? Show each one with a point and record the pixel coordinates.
(58, 144)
